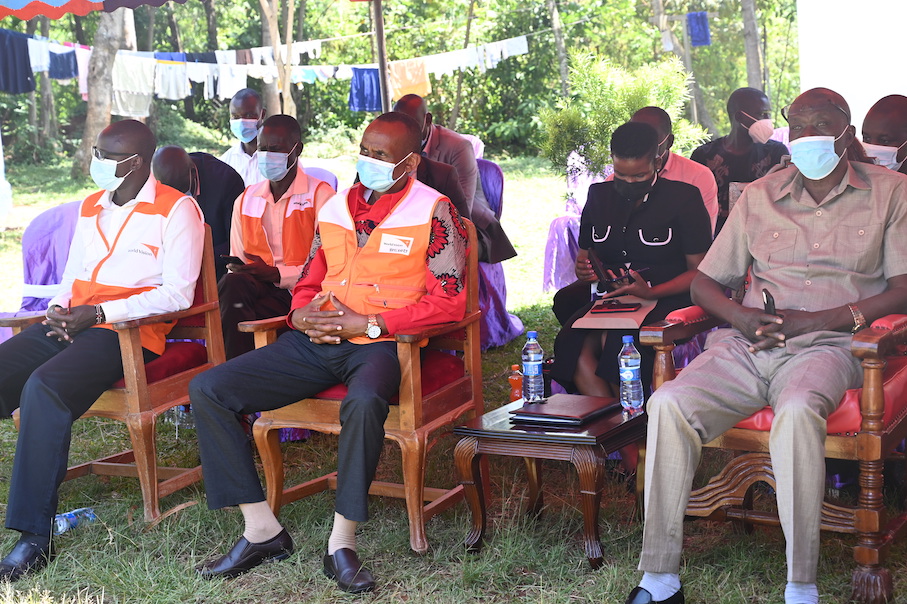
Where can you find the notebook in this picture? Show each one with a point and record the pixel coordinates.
(563, 410)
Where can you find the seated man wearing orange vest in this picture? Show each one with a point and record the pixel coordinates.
(390, 254)
(270, 234)
(136, 251)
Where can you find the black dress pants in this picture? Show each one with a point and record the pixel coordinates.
(245, 298)
(52, 383)
(290, 369)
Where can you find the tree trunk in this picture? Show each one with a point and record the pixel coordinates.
(559, 45)
(455, 112)
(751, 44)
(130, 42)
(211, 19)
(78, 31)
(48, 109)
(107, 41)
(269, 93)
(148, 42)
(271, 11)
(300, 21)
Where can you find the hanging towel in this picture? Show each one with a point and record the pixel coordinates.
(365, 90)
(205, 74)
(201, 57)
(303, 74)
(16, 76)
(83, 57)
(39, 54)
(514, 47)
(63, 64)
(130, 104)
(244, 57)
(667, 43)
(262, 55)
(698, 26)
(230, 80)
(266, 73)
(225, 57)
(408, 77)
(133, 83)
(171, 77)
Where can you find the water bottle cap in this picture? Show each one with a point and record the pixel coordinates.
(532, 335)
(628, 339)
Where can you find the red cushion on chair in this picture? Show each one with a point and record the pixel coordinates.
(847, 417)
(178, 356)
(438, 369)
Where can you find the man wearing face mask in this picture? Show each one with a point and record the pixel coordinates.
(885, 133)
(390, 254)
(825, 238)
(247, 114)
(213, 184)
(638, 220)
(136, 251)
(270, 234)
(747, 153)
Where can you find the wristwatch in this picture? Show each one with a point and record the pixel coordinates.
(373, 330)
(859, 321)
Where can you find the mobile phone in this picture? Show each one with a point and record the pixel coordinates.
(597, 267)
(607, 306)
(768, 301)
(231, 260)
(625, 276)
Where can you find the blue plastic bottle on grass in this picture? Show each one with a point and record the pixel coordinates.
(68, 520)
(631, 395)
(533, 381)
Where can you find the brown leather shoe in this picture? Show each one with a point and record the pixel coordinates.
(345, 568)
(642, 596)
(244, 556)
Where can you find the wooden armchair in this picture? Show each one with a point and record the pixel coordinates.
(147, 391)
(867, 427)
(440, 385)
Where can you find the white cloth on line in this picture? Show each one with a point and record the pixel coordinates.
(171, 80)
(134, 72)
(225, 57)
(39, 54)
(267, 73)
(203, 73)
(83, 57)
(514, 47)
(230, 80)
(131, 104)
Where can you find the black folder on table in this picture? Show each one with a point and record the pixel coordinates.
(563, 410)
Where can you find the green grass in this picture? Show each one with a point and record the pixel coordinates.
(524, 560)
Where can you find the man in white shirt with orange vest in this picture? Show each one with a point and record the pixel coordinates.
(270, 234)
(136, 251)
(389, 230)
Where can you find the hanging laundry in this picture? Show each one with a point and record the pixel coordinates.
(493, 53)
(16, 76)
(39, 54)
(266, 73)
(446, 63)
(244, 57)
(201, 57)
(83, 57)
(365, 90)
(514, 47)
(262, 55)
(205, 74)
(171, 79)
(63, 64)
(133, 83)
(408, 77)
(698, 26)
(225, 57)
(303, 74)
(230, 80)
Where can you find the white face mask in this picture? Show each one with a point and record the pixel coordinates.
(760, 131)
(885, 156)
(104, 173)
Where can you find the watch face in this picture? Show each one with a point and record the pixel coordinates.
(373, 331)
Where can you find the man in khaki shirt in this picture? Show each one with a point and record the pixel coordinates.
(816, 234)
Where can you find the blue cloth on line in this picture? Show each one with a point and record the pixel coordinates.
(63, 66)
(698, 26)
(365, 90)
(16, 76)
(170, 56)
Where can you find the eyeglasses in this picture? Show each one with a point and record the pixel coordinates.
(102, 154)
(796, 108)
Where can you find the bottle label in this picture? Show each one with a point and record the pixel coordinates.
(532, 369)
(628, 374)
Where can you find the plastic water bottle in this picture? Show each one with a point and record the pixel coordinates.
(516, 383)
(631, 396)
(67, 520)
(533, 382)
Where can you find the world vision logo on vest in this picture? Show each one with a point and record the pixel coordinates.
(151, 251)
(395, 244)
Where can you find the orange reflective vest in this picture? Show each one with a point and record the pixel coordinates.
(298, 221)
(119, 274)
(389, 271)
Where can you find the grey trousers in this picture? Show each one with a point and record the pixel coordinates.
(721, 387)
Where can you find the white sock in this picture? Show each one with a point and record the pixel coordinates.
(261, 524)
(661, 585)
(343, 535)
(801, 593)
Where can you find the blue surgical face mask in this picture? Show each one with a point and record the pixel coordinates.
(815, 156)
(378, 175)
(245, 130)
(104, 173)
(273, 164)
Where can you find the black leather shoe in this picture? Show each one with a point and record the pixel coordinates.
(244, 556)
(26, 557)
(345, 568)
(642, 596)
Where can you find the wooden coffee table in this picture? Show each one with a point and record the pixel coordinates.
(586, 448)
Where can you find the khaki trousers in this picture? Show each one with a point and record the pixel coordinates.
(721, 387)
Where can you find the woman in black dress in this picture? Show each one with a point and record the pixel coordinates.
(637, 221)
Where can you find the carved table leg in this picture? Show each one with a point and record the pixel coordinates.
(534, 472)
(467, 460)
(590, 463)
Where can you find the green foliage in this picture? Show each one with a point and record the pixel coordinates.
(171, 128)
(606, 96)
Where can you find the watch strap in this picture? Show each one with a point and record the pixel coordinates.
(859, 321)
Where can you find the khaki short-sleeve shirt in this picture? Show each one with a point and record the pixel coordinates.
(812, 255)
